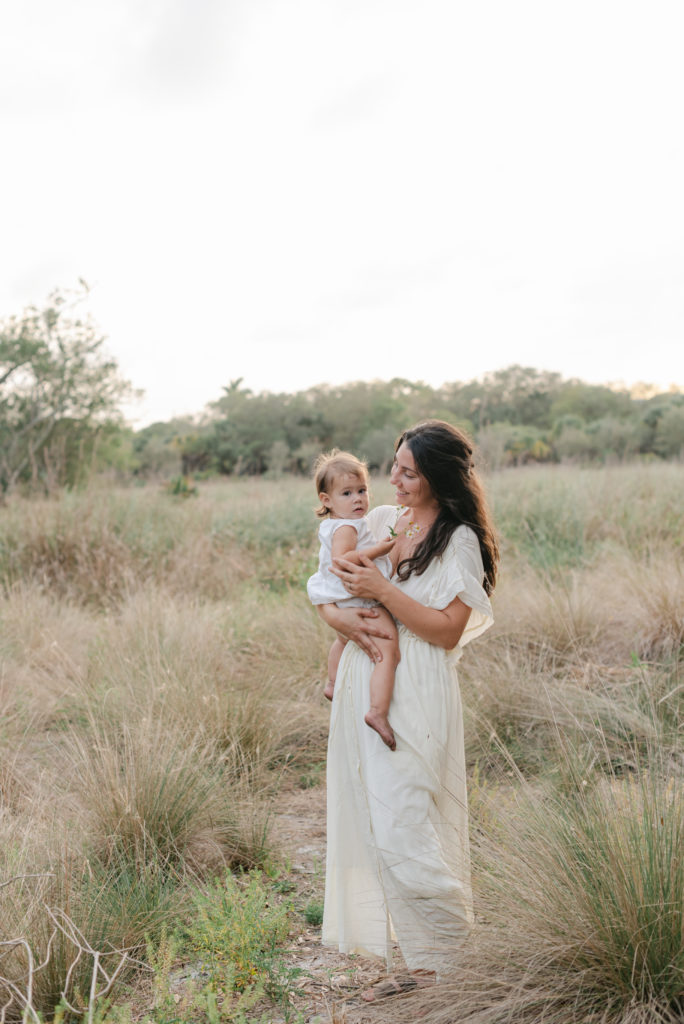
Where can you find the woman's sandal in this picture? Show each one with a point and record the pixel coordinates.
(395, 984)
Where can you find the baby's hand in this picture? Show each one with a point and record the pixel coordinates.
(383, 547)
(378, 550)
(354, 556)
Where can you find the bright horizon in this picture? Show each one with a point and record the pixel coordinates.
(324, 191)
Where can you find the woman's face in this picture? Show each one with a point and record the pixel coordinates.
(412, 487)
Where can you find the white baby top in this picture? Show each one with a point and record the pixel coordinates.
(324, 587)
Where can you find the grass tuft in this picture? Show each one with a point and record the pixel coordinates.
(584, 910)
(151, 791)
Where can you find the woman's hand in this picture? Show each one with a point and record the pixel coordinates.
(442, 627)
(357, 624)
(360, 580)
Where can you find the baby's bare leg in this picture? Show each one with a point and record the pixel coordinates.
(382, 681)
(334, 655)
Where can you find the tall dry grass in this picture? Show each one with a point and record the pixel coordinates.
(146, 724)
(160, 675)
(562, 516)
(589, 616)
(99, 546)
(580, 893)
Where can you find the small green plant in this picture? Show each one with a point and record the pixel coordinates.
(236, 930)
(284, 885)
(311, 777)
(313, 913)
(180, 487)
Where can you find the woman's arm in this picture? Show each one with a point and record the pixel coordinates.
(442, 627)
(357, 624)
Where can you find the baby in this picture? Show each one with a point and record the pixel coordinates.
(342, 487)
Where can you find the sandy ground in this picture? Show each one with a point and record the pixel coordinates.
(330, 990)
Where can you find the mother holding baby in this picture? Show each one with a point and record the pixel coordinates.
(397, 859)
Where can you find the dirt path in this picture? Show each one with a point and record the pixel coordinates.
(330, 989)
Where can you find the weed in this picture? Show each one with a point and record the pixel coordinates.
(235, 931)
(312, 776)
(313, 913)
(283, 886)
(180, 487)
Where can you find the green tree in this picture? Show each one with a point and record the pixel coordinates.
(162, 448)
(573, 442)
(516, 395)
(244, 428)
(53, 376)
(669, 439)
(590, 402)
(516, 415)
(377, 448)
(615, 437)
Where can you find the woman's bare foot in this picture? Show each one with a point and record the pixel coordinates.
(329, 689)
(424, 978)
(395, 984)
(392, 985)
(376, 720)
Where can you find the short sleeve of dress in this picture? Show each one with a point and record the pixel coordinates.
(460, 575)
(329, 527)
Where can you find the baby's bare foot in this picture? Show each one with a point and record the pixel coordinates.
(329, 690)
(376, 720)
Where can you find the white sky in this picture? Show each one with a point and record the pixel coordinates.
(299, 191)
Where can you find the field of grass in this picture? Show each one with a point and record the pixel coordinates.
(160, 677)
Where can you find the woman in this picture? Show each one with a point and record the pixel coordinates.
(397, 861)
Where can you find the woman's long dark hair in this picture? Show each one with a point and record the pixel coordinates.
(444, 456)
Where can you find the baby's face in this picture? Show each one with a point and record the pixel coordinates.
(348, 497)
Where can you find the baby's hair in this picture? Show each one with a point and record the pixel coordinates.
(329, 465)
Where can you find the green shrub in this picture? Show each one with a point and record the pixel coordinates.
(313, 913)
(236, 929)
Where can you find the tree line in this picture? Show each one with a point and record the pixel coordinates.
(517, 415)
(60, 421)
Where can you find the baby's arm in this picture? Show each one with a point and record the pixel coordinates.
(344, 542)
(383, 547)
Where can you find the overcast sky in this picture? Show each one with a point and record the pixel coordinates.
(300, 191)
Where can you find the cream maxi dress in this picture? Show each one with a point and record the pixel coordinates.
(397, 853)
